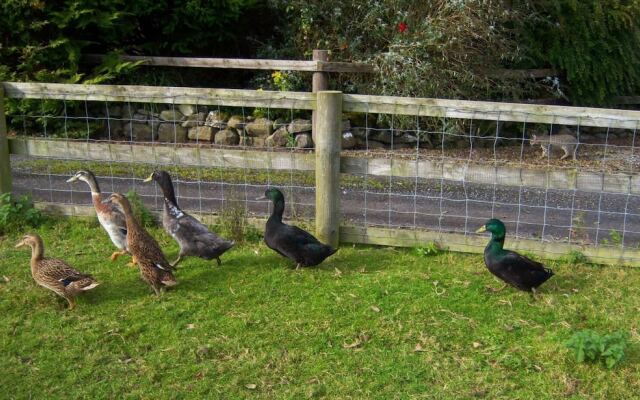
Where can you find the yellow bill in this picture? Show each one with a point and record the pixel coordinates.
(482, 229)
(149, 179)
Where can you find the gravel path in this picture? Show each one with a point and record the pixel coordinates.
(451, 207)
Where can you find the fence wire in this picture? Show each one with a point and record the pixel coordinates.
(163, 130)
(482, 169)
(433, 174)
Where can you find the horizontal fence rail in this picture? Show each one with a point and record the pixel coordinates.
(234, 63)
(160, 95)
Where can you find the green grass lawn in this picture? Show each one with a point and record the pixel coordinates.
(370, 322)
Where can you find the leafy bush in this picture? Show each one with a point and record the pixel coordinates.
(140, 211)
(575, 257)
(18, 213)
(429, 49)
(595, 44)
(588, 345)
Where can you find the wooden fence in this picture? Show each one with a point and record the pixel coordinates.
(327, 160)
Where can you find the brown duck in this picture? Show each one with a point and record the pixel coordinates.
(55, 274)
(154, 267)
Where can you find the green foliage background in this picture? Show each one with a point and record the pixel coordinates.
(450, 49)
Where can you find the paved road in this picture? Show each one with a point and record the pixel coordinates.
(451, 207)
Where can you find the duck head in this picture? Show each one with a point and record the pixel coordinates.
(87, 177)
(163, 179)
(32, 240)
(495, 226)
(273, 194)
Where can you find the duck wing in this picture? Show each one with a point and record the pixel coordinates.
(521, 271)
(298, 245)
(55, 269)
(195, 238)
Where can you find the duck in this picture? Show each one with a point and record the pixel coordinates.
(512, 268)
(193, 237)
(109, 216)
(290, 241)
(55, 274)
(155, 270)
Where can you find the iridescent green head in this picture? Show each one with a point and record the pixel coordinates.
(274, 195)
(495, 226)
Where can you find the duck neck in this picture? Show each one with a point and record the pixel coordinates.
(130, 220)
(167, 191)
(93, 185)
(278, 210)
(495, 245)
(37, 251)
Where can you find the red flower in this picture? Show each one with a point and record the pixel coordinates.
(402, 27)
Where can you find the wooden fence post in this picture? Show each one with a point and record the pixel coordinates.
(320, 82)
(5, 167)
(328, 144)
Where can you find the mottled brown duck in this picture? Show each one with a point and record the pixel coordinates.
(54, 274)
(154, 267)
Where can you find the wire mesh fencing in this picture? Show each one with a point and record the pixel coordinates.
(549, 183)
(219, 157)
(553, 175)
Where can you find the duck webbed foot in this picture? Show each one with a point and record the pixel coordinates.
(116, 254)
(501, 288)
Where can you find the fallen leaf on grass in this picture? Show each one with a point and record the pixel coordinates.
(375, 309)
(476, 345)
(360, 340)
(190, 326)
(418, 348)
(251, 386)
(5, 278)
(337, 272)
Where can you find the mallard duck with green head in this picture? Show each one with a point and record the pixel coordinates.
(291, 241)
(512, 268)
(192, 236)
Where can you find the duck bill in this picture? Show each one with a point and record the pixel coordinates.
(261, 198)
(72, 179)
(20, 244)
(149, 179)
(482, 229)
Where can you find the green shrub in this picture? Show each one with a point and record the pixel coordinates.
(590, 346)
(18, 213)
(594, 44)
(575, 257)
(426, 49)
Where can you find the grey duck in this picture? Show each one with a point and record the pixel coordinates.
(192, 236)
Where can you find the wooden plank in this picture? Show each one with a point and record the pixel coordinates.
(328, 143)
(163, 154)
(567, 179)
(237, 63)
(194, 155)
(494, 111)
(163, 95)
(5, 161)
(472, 243)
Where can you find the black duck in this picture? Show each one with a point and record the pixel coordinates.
(511, 267)
(291, 241)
